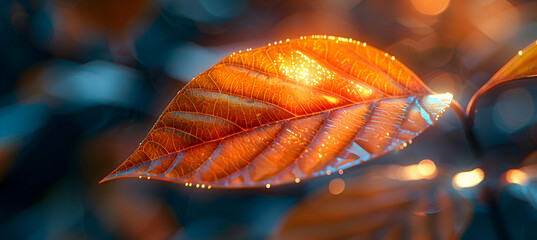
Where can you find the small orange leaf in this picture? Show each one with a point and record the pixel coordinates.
(523, 65)
(295, 109)
(380, 205)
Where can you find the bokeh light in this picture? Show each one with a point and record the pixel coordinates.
(513, 110)
(336, 186)
(445, 82)
(468, 179)
(430, 7)
(516, 176)
(427, 168)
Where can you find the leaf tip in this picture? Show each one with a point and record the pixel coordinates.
(107, 178)
(113, 175)
(446, 98)
(442, 100)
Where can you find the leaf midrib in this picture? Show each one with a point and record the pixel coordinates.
(343, 74)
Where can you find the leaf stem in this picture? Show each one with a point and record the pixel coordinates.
(467, 126)
(457, 108)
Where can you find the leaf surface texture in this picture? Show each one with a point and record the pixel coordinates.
(294, 109)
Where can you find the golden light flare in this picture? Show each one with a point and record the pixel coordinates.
(336, 186)
(410, 173)
(516, 176)
(331, 99)
(427, 168)
(468, 179)
(444, 81)
(299, 67)
(430, 7)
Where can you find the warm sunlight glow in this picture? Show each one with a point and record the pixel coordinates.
(468, 179)
(430, 7)
(330, 99)
(427, 168)
(411, 173)
(302, 69)
(516, 176)
(336, 186)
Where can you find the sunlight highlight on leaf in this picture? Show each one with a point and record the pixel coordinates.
(294, 109)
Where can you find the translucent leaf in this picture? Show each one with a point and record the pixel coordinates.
(523, 65)
(296, 109)
(376, 206)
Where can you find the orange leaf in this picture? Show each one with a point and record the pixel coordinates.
(522, 66)
(378, 205)
(295, 109)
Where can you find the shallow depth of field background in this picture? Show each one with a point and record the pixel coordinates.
(82, 82)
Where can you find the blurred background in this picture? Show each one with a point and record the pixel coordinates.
(83, 81)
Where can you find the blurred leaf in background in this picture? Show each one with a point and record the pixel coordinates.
(384, 202)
